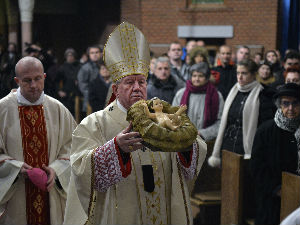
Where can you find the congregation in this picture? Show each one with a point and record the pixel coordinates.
(243, 102)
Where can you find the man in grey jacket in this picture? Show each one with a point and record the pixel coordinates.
(87, 73)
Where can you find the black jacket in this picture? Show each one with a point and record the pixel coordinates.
(67, 75)
(7, 73)
(66, 81)
(163, 90)
(97, 93)
(233, 136)
(274, 151)
(227, 79)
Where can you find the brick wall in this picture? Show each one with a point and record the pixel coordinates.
(131, 12)
(254, 21)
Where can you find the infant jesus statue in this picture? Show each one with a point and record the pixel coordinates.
(169, 121)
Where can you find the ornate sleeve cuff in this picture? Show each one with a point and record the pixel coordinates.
(124, 160)
(188, 166)
(185, 158)
(108, 166)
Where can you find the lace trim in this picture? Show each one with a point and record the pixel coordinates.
(189, 169)
(107, 166)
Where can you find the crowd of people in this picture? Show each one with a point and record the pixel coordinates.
(246, 105)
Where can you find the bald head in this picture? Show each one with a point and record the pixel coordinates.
(28, 63)
(30, 77)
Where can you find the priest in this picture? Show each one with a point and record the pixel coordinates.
(35, 142)
(114, 178)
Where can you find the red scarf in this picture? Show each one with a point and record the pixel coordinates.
(211, 107)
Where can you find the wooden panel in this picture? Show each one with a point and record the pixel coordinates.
(209, 196)
(209, 178)
(290, 194)
(231, 188)
(206, 196)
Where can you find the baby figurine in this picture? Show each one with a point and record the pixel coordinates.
(170, 121)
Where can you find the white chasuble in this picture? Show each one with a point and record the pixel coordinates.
(59, 125)
(104, 191)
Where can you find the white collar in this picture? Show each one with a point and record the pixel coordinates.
(23, 101)
(121, 107)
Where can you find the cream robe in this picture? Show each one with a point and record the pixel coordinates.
(126, 202)
(60, 124)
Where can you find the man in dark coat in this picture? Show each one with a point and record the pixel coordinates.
(275, 150)
(227, 71)
(98, 89)
(67, 84)
(7, 69)
(179, 68)
(88, 72)
(163, 84)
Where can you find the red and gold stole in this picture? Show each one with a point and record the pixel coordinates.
(35, 151)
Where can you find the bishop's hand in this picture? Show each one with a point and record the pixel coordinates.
(129, 141)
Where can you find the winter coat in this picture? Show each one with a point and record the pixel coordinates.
(274, 151)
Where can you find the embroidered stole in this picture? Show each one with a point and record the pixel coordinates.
(35, 152)
(153, 205)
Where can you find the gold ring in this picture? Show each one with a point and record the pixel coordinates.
(130, 147)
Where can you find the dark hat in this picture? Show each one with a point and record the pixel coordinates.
(30, 49)
(266, 64)
(201, 67)
(289, 89)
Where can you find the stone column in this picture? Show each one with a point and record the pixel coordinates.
(12, 20)
(26, 12)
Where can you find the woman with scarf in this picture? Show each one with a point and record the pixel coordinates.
(204, 103)
(276, 149)
(247, 105)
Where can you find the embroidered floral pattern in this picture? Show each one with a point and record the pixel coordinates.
(107, 166)
(189, 171)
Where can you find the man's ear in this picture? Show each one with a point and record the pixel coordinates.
(115, 89)
(45, 75)
(17, 80)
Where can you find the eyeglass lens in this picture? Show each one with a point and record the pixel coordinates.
(288, 103)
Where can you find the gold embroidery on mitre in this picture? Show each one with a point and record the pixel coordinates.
(126, 52)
